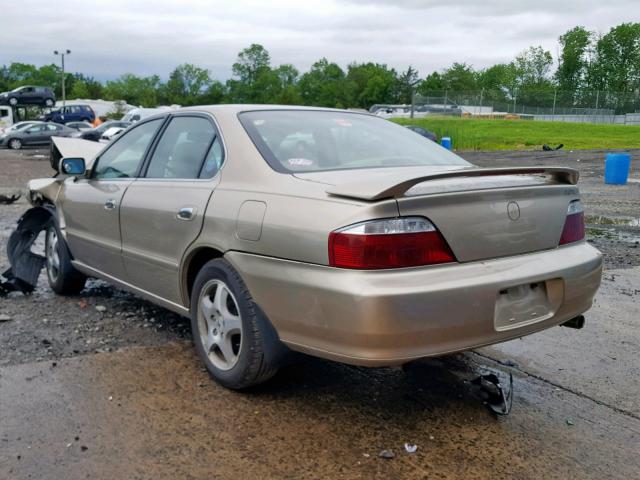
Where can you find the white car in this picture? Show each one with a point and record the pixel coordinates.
(110, 134)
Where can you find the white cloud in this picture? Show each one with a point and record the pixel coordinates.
(145, 36)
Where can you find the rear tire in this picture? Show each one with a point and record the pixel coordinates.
(49, 102)
(15, 144)
(63, 277)
(234, 339)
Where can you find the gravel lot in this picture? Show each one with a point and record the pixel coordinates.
(116, 391)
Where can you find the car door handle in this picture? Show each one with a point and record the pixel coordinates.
(186, 213)
(110, 204)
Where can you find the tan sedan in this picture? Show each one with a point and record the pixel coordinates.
(328, 232)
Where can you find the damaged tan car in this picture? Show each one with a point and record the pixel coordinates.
(327, 232)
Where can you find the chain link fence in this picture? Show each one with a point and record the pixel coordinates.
(584, 106)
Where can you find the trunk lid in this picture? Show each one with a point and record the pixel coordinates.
(482, 213)
(495, 222)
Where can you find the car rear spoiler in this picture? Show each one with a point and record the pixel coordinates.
(396, 185)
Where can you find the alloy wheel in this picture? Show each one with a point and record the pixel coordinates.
(219, 324)
(15, 144)
(53, 257)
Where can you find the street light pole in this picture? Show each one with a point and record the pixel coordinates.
(62, 54)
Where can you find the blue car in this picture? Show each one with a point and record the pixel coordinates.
(71, 113)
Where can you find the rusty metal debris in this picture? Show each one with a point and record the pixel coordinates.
(493, 393)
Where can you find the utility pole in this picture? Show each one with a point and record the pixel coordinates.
(555, 95)
(62, 54)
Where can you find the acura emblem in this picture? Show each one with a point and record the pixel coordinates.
(513, 210)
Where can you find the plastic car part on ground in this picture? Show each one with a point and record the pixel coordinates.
(8, 200)
(493, 393)
(25, 268)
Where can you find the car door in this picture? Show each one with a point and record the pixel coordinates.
(91, 206)
(35, 135)
(49, 131)
(162, 211)
(28, 95)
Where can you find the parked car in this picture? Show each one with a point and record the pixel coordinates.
(17, 126)
(423, 131)
(111, 133)
(82, 126)
(328, 232)
(137, 114)
(96, 133)
(39, 133)
(71, 113)
(29, 95)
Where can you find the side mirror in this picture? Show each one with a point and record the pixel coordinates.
(72, 166)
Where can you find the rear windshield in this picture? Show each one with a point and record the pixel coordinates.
(311, 141)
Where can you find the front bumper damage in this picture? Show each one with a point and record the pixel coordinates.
(26, 265)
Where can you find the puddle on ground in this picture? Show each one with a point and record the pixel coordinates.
(613, 228)
(604, 220)
(613, 234)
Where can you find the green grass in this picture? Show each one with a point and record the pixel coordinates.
(487, 134)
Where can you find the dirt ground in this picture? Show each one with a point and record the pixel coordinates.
(117, 392)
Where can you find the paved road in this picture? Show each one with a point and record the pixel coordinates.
(120, 394)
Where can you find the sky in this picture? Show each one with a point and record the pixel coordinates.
(111, 37)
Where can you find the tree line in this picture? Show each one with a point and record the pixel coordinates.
(589, 64)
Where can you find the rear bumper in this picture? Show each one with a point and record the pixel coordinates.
(378, 318)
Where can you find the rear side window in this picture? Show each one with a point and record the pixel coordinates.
(214, 160)
(123, 158)
(316, 140)
(181, 151)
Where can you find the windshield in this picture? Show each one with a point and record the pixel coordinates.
(309, 141)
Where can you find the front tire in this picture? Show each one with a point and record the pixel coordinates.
(49, 102)
(63, 278)
(13, 101)
(236, 342)
(15, 144)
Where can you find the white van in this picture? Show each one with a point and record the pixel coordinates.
(6, 117)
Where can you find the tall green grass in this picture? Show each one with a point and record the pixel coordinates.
(487, 134)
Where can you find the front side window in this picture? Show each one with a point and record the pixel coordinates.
(309, 141)
(182, 149)
(53, 127)
(123, 158)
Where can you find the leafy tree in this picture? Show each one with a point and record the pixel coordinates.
(324, 85)
(432, 83)
(616, 66)
(460, 77)
(573, 62)
(134, 90)
(289, 94)
(187, 84)
(532, 79)
(371, 83)
(215, 93)
(255, 81)
(406, 84)
(498, 82)
(80, 89)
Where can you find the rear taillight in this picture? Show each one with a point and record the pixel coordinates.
(573, 230)
(389, 243)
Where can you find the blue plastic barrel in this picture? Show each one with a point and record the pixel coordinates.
(616, 168)
(446, 142)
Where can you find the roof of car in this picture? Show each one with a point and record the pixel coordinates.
(242, 107)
